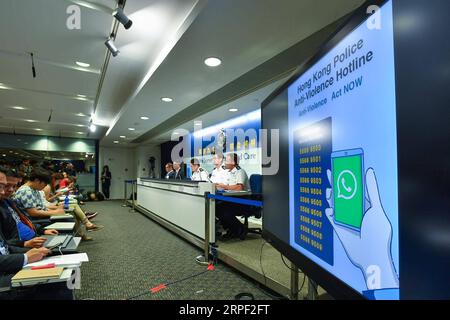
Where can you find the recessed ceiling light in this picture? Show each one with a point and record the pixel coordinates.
(145, 118)
(80, 125)
(93, 127)
(80, 132)
(81, 95)
(19, 108)
(176, 133)
(4, 155)
(82, 64)
(213, 62)
(167, 99)
(81, 114)
(29, 120)
(198, 123)
(233, 110)
(123, 137)
(131, 129)
(10, 151)
(37, 129)
(116, 142)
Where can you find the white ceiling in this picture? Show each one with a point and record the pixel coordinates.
(245, 104)
(39, 26)
(244, 34)
(161, 55)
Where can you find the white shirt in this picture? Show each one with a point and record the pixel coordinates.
(200, 175)
(219, 175)
(238, 176)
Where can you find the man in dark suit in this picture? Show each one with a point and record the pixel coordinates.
(170, 173)
(178, 172)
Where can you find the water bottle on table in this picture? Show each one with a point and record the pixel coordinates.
(66, 203)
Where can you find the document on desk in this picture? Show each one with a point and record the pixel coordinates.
(67, 260)
(236, 192)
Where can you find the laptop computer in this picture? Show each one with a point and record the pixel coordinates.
(62, 243)
(57, 241)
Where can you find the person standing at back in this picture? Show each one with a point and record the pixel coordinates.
(106, 181)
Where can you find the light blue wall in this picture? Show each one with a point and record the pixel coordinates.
(42, 143)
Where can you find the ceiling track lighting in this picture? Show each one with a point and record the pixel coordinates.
(50, 116)
(33, 69)
(111, 46)
(122, 18)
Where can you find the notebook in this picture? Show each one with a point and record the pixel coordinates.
(67, 260)
(40, 274)
(62, 217)
(61, 226)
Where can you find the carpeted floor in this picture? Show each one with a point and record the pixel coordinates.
(132, 254)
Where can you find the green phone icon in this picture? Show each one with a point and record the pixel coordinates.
(348, 187)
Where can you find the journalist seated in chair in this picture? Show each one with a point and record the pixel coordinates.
(226, 212)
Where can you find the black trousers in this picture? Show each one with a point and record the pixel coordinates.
(226, 212)
(105, 189)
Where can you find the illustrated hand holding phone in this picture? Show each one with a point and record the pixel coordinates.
(369, 246)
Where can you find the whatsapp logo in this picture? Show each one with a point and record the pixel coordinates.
(347, 185)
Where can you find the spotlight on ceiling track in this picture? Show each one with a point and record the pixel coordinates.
(92, 128)
(122, 18)
(112, 47)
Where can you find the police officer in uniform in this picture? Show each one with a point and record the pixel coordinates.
(226, 211)
(219, 175)
(198, 173)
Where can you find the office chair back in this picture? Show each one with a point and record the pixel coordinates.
(256, 183)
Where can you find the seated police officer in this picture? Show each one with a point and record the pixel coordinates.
(198, 173)
(219, 175)
(226, 212)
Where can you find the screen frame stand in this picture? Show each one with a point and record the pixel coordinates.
(204, 259)
(294, 282)
(312, 290)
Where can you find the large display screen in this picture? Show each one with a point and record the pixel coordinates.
(343, 189)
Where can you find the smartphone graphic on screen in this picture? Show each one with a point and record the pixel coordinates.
(348, 187)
